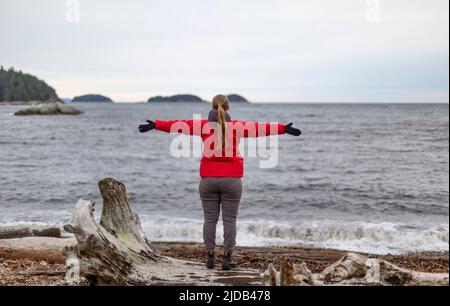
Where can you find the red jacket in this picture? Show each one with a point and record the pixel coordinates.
(225, 162)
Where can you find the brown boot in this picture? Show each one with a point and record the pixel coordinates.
(210, 260)
(228, 263)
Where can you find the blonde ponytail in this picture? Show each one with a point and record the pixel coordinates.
(221, 119)
(221, 103)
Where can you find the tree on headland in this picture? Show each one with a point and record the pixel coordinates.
(19, 86)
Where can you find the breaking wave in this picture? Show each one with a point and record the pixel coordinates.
(379, 238)
(375, 238)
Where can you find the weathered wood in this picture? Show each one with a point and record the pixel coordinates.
(29, 231)
(115, 251)
(353, 269)
(45, 273)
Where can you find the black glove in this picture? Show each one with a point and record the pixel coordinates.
(288, 129)
(147, 127)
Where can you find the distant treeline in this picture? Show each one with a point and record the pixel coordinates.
(23, 87)
(176, 98)
(91, 98)
(192, 98)
(18, 86)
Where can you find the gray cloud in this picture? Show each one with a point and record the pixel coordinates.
(288, 50)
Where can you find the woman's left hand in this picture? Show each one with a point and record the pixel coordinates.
(146, 127)
(288, 129)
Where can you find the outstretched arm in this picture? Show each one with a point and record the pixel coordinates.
(188, 127)
(259, 129)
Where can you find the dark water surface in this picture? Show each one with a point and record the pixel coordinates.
(361, 177)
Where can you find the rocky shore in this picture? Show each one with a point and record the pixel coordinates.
(39, 260)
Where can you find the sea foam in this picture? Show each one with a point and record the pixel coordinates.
(380, 238)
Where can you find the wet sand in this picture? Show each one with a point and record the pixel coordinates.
(41, 262)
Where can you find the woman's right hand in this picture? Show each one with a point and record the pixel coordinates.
(146, 127)
(288, 129)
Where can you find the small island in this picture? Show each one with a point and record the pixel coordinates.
(91, 98)
(237, 98)
(176, 98)
(19, 87)
(193, 98)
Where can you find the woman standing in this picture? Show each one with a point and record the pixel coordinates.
(221, 168)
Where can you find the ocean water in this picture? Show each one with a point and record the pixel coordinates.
(371, 178)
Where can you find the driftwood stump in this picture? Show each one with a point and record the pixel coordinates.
(116, 252)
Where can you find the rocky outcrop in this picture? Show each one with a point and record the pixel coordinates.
(49, 109)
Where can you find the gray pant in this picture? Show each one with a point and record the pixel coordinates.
(215, 191)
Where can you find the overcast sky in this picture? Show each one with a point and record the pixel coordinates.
(266, 50)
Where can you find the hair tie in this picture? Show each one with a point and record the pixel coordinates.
(212, 116)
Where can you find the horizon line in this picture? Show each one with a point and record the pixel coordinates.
(281, 102)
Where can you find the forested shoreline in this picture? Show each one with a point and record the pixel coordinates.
(19, 86)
